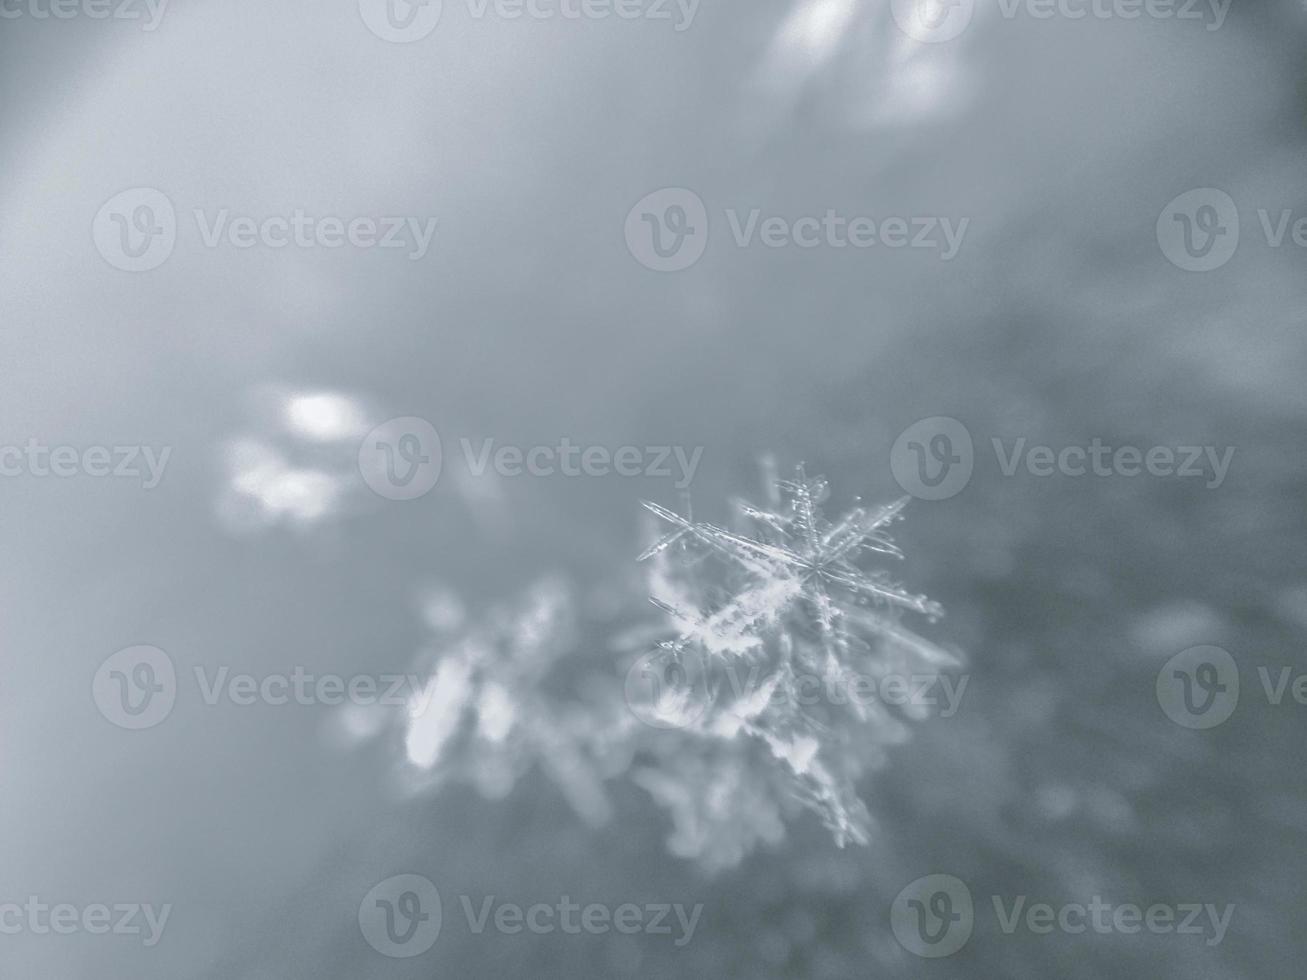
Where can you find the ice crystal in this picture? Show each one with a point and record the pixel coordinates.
(781, 641)
(754, 697)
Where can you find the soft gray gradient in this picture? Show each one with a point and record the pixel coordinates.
(1059, 320)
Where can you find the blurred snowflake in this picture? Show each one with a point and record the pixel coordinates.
(493, 708)
(298, 465)
(762, 694)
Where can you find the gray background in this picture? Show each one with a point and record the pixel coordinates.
(1059, 321)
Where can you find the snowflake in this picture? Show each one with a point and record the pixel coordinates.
(787, 600)
(731, 744)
